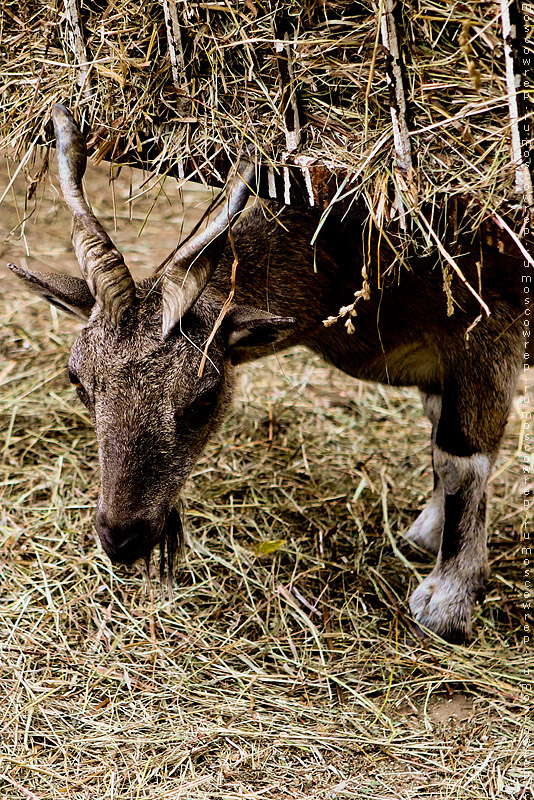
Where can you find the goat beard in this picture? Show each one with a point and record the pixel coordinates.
(171, 546)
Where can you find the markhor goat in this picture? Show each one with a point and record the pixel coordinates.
(136, 362)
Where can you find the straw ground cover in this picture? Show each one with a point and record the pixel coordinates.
(285, 663)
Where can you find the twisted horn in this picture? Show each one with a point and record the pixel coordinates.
(187, 273)
(101, 264)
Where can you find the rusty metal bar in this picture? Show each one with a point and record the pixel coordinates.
(77, 44)
(174, 43)
(511, 20)
(401, 135)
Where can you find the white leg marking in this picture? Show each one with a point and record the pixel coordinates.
(427, 529)
(456, 471)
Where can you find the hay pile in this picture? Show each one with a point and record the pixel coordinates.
(306, 79)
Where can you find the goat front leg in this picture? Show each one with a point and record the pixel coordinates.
(427, 529)
(475, 407)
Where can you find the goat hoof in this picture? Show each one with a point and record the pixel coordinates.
(443, 603)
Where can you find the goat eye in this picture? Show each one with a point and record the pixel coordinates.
(73, 378)
(207, 399)
(80, 391)
(198, 410)
(83, 396)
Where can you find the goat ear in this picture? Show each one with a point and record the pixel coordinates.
(250, 330)
(67, 292)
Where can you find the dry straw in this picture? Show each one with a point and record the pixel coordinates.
(286, 664)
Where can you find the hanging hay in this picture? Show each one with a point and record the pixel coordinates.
(187, 86)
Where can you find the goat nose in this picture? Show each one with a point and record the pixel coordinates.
(126, 541)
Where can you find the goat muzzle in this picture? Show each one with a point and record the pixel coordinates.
(129, 539)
